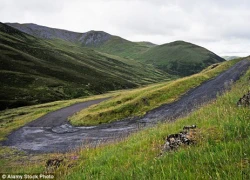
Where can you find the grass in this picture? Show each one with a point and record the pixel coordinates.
(139, 101)
(123, 48)
(222, 149)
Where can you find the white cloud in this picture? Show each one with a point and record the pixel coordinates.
(219, 25)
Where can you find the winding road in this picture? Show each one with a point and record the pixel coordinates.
(52, 132)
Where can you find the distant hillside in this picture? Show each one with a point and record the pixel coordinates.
(180, 58)
(230, 57)
(35, 70)
(177, 58)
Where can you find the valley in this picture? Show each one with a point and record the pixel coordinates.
(35, 71)
(101, 106)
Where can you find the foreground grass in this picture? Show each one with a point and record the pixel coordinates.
(222, 150)
(139, 101)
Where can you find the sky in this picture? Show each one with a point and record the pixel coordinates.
(222, 26)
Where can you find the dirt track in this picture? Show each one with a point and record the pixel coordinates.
(52, 133)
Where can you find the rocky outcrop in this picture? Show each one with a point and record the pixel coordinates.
(244, 100)
(184, 137)
(94, 38)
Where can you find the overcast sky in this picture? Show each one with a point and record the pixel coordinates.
(222, 26)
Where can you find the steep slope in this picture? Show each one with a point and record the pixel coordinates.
(180, 58)
(34, 70)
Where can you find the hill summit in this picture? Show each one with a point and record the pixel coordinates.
(180, 58)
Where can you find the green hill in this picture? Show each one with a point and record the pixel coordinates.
(180, 58)
(35, 70)
(122, 47)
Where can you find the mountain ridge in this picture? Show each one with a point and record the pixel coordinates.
(177, 58)
(55, 33)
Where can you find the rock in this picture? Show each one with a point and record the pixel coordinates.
(244, 100)
(172, 136)
(52, 164)
(166, 147)
(186, 141)
(184, 137)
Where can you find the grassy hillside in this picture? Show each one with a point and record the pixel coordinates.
(138, 101)
(221, 150)
(123, 48)
(34, 70)
(180, 58)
